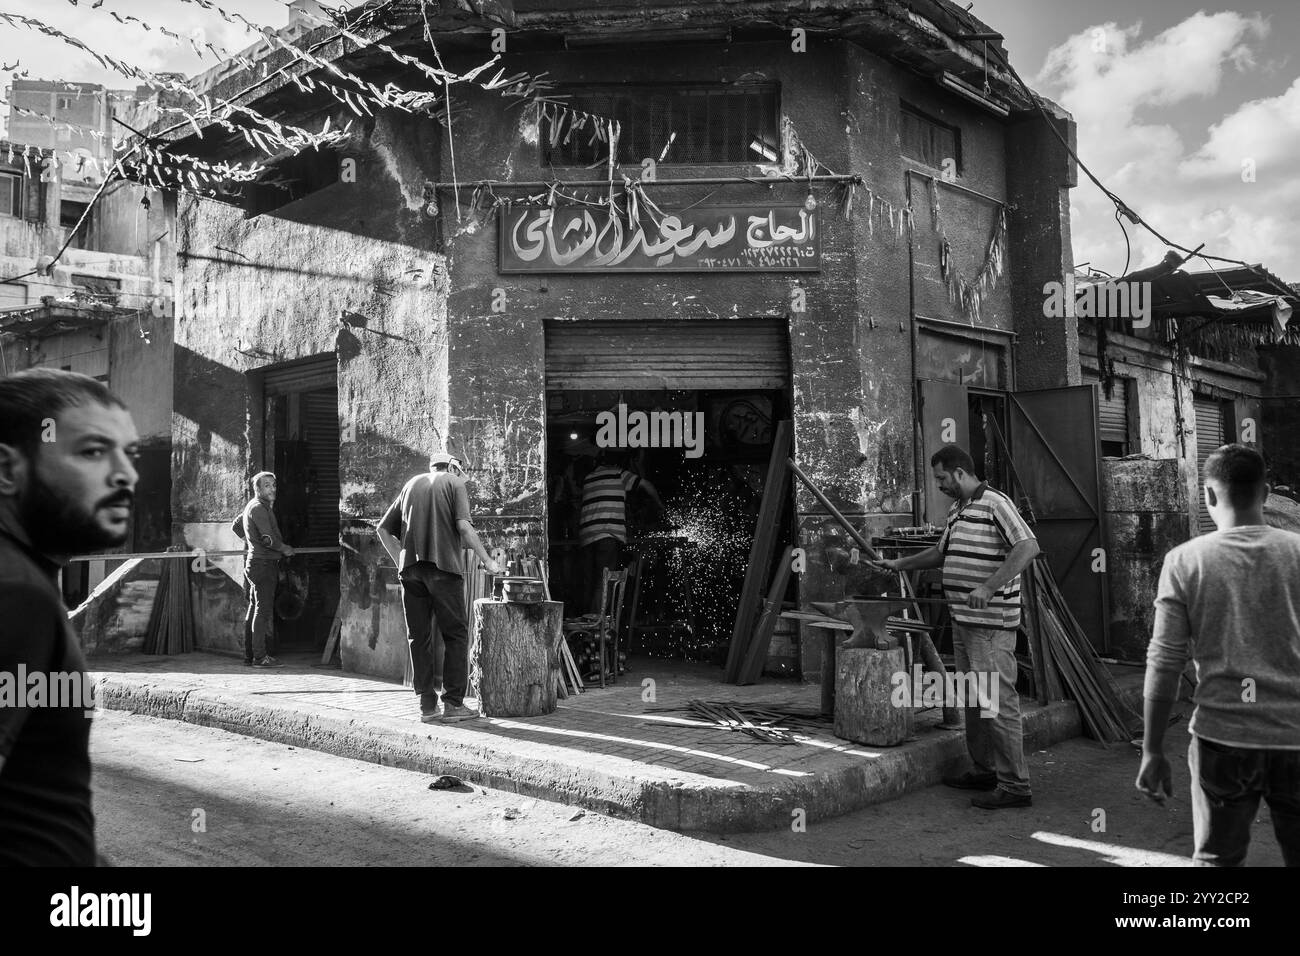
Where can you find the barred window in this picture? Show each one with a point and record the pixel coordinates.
(683, 125)
(928, 141)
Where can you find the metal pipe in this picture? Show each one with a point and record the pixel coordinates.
(862, 542)
(186, 554)
(966, 189)
(605, 183)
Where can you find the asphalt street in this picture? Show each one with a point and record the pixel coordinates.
(173, 794)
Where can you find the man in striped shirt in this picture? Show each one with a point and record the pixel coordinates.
(984, 547)
(603, 529)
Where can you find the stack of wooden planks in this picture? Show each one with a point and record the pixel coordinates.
(171, 620)
(1070, 664)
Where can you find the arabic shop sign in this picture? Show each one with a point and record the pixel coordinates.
(766, 238)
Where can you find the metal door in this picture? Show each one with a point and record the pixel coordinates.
(1054, 441)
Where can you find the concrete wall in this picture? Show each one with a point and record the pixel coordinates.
(254, 293)
(1146, 516)
(1281, 424)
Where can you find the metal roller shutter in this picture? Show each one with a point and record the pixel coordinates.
(1210, 428)
(321, 432)
(317, 372)
(714, 354)
(1112, 413)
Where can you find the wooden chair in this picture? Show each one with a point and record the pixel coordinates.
(610, 621)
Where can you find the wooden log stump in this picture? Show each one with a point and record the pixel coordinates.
(864, 711)
(513, 656)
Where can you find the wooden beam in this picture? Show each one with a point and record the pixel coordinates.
(760, 552)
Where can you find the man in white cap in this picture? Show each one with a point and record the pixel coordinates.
(424, 531)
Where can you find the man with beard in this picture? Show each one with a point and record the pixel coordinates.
(67, 483)
(984, 547)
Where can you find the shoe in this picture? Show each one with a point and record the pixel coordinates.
(1000, 799)
(267, 661)
(430, 708)
(455, 712)
(248, 663)
(970, 780)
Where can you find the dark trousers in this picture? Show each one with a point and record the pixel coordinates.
(1227, 784)
(261, 575)
(429, 593)
(596, 557)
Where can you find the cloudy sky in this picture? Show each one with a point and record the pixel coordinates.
(1175, 100)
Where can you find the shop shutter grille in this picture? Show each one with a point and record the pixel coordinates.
(321, 430)
(317, 372)
(1209, 436)
(1112, 413)
(742, 354)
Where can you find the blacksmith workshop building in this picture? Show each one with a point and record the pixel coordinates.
(844, 217)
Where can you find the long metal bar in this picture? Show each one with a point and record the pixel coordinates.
(861, 542)
(704, 181)
(965, 189)
(186, 554)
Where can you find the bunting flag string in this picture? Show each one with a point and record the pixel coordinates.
(276, 132)
(970, 295)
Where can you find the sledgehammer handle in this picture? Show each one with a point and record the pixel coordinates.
(844, 522)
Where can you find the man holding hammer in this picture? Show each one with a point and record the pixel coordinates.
(984, 547)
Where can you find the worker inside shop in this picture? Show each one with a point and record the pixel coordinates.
(685, 509)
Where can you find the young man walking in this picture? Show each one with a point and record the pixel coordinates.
(1231, 601)
(67, 486)
(984, 547)
(424, 531)
(263, 549)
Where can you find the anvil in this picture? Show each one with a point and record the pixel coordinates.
(868, 619)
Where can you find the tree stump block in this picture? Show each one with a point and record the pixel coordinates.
(864, 711)
(514, 658)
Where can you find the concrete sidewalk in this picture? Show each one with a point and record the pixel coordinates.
(607, 750)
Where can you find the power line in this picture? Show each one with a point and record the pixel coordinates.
(1121, 206)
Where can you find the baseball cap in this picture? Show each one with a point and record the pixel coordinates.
(442, 458)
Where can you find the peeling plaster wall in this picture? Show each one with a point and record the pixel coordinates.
(254, 293)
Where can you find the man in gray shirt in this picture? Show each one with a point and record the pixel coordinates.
(1231, 600)
(423, 531)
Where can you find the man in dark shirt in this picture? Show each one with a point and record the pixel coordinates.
(423, 531)
(261, 570)
(67, 484)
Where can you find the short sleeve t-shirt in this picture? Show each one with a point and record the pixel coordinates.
(604, 504)
(423, 519)
(46, 817)
(976, 541)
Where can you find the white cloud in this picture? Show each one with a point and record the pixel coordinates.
(1121, 97)
(49, 58)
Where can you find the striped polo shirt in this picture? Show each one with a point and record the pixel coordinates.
(975, 543)
(604, 504)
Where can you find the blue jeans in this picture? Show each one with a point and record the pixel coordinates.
(1227, 784)
(996, 744)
